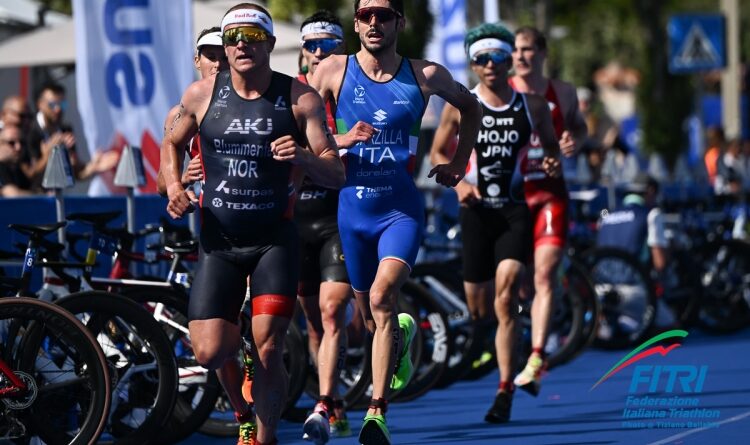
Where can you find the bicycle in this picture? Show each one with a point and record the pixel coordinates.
(138, 352)
(54, 378)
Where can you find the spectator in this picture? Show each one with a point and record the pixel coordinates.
(730, 171)
(715, 142)
(637, 227)
(48, 131)
(15, 112)
(13, 182)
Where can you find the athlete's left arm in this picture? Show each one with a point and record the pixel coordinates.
(435, 79)
(542, 120)
(320, 160)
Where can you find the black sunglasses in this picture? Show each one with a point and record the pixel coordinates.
(383, 15)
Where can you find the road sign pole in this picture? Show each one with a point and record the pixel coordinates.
(730, 77)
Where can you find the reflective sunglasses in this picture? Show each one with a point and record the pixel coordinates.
(496, 57)
(382, 14)
(247, 34)
(325, 45)
(61, 104)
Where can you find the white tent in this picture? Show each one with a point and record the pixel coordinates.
(26, 12)
(55, 44)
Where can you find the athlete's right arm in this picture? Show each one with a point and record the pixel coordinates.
(161, 185)
(178, 134)
(443, 148)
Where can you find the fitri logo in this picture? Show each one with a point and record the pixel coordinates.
(224, 92)
(359, 91)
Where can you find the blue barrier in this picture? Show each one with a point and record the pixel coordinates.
(41, 210)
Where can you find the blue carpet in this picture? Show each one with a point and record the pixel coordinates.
(568, 411)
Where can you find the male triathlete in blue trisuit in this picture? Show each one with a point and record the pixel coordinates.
(380, 208)
(257, 127)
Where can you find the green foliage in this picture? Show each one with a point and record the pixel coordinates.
(299, 9)
(633, 32)
(64, 6)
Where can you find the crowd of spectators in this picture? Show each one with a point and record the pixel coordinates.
(27, 140)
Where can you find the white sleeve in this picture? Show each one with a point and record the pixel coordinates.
(656, 236)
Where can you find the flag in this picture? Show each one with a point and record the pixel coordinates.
(133, 61)
(446, 47)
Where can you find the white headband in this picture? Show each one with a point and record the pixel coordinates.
(483, 44)
(322, 28)
(210, 39)
(248, 16)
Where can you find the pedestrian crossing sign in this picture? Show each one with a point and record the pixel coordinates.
(696, 42)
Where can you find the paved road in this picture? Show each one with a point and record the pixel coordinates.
(569, 412)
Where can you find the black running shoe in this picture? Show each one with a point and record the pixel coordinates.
(500, 410)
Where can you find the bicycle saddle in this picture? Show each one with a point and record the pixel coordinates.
(37, 229)
(98, 219)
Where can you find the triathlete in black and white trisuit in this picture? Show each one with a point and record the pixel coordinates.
(256, 127)
(497, 227)
(246, 204)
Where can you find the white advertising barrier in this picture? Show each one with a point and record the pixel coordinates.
(133, 61)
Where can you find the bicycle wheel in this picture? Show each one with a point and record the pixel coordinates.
(69, 372)
(444, 282)
(140, 355)
(198, 388)
(222, 423)
(565, 339)
(626, 295)
(431, 356)
(725, 301)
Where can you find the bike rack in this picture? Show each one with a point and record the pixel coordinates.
(58, 175)
(130, 174)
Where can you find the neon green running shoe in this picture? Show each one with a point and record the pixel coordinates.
(484, 358)
(248, 430)
(404, 366)
(374, 431)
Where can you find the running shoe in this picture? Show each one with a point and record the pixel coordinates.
(404, 366)
(317, 427)
(500, 410)
(248, 431)
(374, 431)
(530, 378)
(249, 371)
(339, 427)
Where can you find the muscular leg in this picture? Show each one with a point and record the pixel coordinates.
(387, 340)
(333, 300)
(311, 308)
(506, 309)
(271, 378)
(215, 344)
(232, 376)
(214, 341)
(546, 259)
